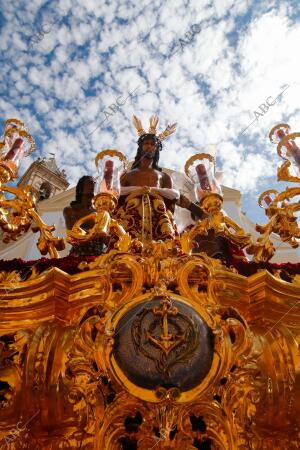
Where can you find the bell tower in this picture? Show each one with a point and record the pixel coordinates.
(46, 177)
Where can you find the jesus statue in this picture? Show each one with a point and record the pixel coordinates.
(147, 198)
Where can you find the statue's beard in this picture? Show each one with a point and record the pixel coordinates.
(149, 155)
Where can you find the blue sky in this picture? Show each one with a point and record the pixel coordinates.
(207, 65)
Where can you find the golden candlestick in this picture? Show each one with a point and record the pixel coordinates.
(211, 203)
(217, 221)
(103, 225)
(282, 222)
(17, 214)
(281, 135)
(280, 210)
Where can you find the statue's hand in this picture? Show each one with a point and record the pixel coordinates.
(184, 202)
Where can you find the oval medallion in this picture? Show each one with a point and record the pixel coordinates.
(164, 342)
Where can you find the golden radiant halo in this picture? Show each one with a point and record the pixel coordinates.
(149, 394)
(153, 121)
(192, 159)
(276, 127)
(111, 153)
(284, 140)
(261, 197)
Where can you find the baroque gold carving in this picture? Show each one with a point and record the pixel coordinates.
(283, 221)
(217, 221)
(17, 215)
(283, 173)
(60, 369)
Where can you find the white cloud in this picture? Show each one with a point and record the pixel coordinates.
(244, 53)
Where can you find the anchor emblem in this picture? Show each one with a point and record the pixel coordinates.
(167, 340)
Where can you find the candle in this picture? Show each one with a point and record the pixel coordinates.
(291, 146)
(107, 182)
(268, 200)
(108, 173)
(202, 177)
(280, 133)
(16, 151)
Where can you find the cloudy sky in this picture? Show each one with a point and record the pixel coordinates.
(207, 65)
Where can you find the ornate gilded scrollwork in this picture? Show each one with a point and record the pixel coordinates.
(159, 361)
(283, 172)
(12, 355)
(218, 222)
(283, 221)
(209, 194)
(17, 215)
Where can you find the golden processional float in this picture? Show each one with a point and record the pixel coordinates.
(154, 344)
